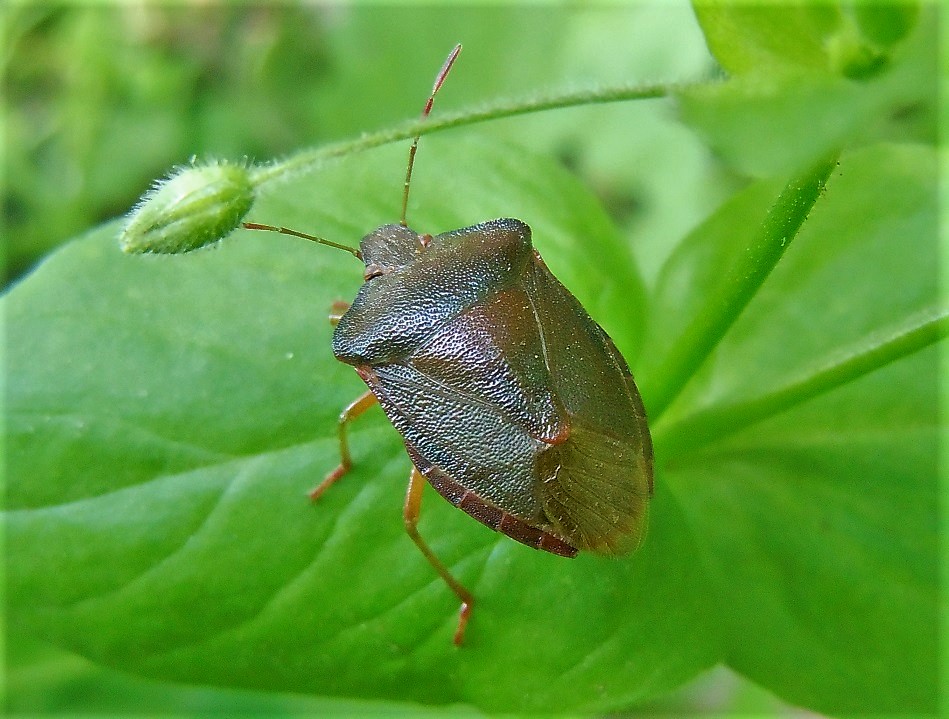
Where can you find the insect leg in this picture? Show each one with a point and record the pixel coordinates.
(356, 408)
(413, 506)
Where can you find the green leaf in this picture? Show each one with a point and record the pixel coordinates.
(750, 38)
(168, 415)
(885, 23)
(805, 448)
(777, 116)
(851, 39)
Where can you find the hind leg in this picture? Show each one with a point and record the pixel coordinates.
(356, 408)
(413, 507)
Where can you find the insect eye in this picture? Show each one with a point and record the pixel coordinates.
(425, 240)
(372, 271)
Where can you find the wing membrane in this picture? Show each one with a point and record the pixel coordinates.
(594, 495)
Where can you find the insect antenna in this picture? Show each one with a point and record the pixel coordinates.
(287, 231)
(439, 79)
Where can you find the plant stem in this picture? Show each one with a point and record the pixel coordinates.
(721, 310)
(311, 159)
(707, 426)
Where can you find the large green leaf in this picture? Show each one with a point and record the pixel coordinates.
(168, 414)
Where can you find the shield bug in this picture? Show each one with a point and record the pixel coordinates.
(511, 401)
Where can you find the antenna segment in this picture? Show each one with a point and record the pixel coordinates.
(439, 79)
(287, 231)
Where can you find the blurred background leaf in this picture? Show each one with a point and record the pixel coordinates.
(817, 75)
(102, 99)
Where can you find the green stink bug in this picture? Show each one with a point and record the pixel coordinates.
(511, 401)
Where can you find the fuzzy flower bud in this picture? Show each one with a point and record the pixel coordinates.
(194, 207)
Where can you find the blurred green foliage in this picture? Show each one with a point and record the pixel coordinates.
(103, 99)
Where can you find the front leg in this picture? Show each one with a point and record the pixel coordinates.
(356, 408)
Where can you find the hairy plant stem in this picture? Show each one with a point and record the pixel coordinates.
(314, 158)
(705, 427)
(721, 310)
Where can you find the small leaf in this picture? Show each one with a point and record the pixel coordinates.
(779, 122)
(886, 23)
(750, 38)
